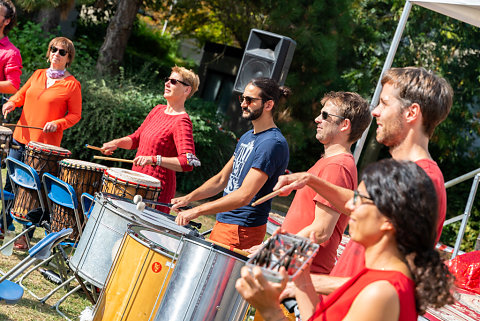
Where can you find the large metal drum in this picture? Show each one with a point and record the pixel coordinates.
(104, 231)
(202, 286)
(139, 276)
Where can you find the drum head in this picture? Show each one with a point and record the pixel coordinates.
(5, 130)
(157, 239)
(132, 177)
(76, 163)
(42, 147)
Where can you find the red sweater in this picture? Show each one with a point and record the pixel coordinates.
(168, 136)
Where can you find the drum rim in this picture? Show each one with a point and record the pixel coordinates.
(65, 163)
(115, 178)
(134, 231)
(3, 128)
(64, 152)
(194, 239)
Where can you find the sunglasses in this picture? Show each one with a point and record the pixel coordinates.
(174, 81)
(62, 52)
(248, 99)
(325, 115)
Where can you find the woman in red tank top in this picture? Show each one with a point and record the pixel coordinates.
(393, 214)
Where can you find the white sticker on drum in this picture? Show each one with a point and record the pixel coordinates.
(168, 242)
(170, 264)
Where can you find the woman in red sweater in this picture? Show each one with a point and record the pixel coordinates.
(393, 214)
(164, 141)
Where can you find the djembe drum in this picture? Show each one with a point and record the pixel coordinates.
(43, 158)
(84, 177)
(5, 139)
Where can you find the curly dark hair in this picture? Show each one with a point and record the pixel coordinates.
(404, 193)
(10, 13)
(271, 90)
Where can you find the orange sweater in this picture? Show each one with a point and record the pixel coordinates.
(61, 103)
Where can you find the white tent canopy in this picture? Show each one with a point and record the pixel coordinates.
(464, 10)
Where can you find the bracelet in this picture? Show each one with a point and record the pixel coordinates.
(159, 160)
(153, 160)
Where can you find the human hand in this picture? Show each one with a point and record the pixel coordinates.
(288, 292)
(50, 127)
(287, 183)
(261, 293)
(109, 147)
(7, 108)
(184, 217)
(179, 202)
(144, 160)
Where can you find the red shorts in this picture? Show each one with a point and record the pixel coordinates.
(237, 236)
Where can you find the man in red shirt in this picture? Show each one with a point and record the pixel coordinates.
(341, 122)
(10, 59)
(412, 103)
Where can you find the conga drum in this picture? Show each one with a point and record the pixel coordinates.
(43, 158)
(202, 285)
(127, 184)
(140, 274)
(5, 139)
(84, 177)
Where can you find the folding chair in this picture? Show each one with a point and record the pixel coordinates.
(37, 255)
(25, 176)
(86, 200)
(10, 292)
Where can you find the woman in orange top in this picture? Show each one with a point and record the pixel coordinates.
(51, 99)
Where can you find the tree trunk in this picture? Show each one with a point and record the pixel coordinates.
(113, 48)
(49, 18)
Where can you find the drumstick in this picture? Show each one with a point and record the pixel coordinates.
(12, 147)
(23, 126)
(93, 147)
(113, 159)
(266, 198)
(241, 252)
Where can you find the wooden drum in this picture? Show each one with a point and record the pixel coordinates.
(5, 139)
(43, 158)
(85, 177)
(127, 183)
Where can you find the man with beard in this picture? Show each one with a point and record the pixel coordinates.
(412, 103)
(10, 59)
(260, 157)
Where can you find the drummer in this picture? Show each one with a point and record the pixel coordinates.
(164, 141)
(51, 99)
(260, 157)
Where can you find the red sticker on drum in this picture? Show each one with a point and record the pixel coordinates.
(156, 267)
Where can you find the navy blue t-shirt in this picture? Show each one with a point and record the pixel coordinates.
(266, 151)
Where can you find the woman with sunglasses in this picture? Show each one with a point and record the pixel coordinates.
(393, 215)
(51, 100)
(164, 141)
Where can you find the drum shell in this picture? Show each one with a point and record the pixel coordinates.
(104, 231)
(138, 277)
(204, 290)
(5, 139)
(128, 188)
(84, 177)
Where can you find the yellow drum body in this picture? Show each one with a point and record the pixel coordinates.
(139, 275)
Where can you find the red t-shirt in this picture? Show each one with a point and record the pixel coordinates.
(352, 259)
(168, 136)
(339, 170)
(338, 303)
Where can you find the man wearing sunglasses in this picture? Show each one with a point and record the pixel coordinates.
(413, 102)
(342, 120)
(261, 155)
(10, 58)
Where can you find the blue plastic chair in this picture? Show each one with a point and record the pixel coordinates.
(10, 292)
(62, 194)
(25, 176)
(37, 255)
(86, 200)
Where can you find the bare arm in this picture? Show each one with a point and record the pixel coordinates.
(323, 224)
(326, 284)
(6, 87)
(124, 142)
(254, 180)
(171, 163)
(336, 195)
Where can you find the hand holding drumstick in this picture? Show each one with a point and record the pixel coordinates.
(285, 185)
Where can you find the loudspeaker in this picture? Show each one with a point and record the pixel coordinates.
(266, 55)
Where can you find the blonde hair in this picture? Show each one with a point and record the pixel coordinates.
(189, 77)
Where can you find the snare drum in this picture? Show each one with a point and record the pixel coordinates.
(5, 139)
(139, 275)
(202, 286)
(84, 177)
(104, 231)
(44, 159)
(127, 183)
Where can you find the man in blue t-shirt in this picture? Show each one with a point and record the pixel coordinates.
(260, 157)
